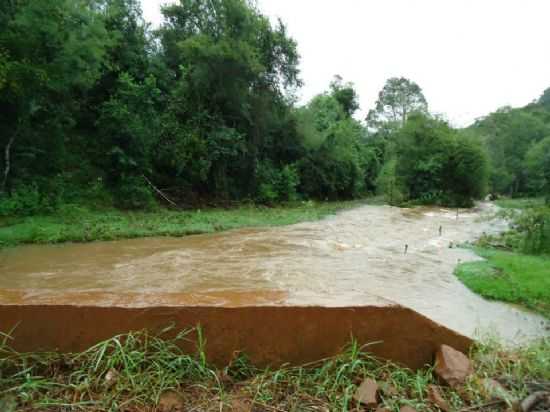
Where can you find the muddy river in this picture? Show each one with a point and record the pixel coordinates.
(371, 255)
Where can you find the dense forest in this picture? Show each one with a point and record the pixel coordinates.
(98, 108)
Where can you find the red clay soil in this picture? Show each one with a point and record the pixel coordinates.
(268, 335)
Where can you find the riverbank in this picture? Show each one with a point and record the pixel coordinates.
(506, 272)
(78, 224)
(510, 277)
(146, 373)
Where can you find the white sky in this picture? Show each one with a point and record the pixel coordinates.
(470, 57)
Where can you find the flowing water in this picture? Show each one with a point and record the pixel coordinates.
(372, 255)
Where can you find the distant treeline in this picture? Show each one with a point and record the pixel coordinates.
(97, 108)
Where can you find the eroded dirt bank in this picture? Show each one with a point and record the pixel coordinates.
(354, 259)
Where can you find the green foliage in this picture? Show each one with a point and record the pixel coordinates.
(538, 168)
(338, 161)
(389, 186)
(24, 201)
(544, 99)
(436, 164)
(533, 226)
(508, 135)
(336, 169)
(204, 108)
(345, 95)
(132, 192)
(276, 185)
(399, 98)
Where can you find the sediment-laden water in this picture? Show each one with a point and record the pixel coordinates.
(372, 255)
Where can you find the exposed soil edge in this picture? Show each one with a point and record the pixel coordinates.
(269, 335)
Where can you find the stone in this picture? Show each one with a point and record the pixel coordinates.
(492, 389)
(435, 397)
(452, 366)
(366, 393)
(407, 408)
(111, 377)
(388, 389)
(382, 409)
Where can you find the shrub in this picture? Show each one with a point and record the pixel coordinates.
(133, 193)
(389, 186)
(276, 184)
(533, 226)
(25, 200)
(437, 164)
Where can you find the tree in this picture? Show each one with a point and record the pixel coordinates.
(544, 99)
(230, 69)
(129, 128)
(345, 94)
(508, 134)
(399, 98)
(436, 164)
(336, 158)
(50, 51)
(538, 167)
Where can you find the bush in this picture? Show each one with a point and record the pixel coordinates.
(437, 164)
(26, 200)
(336, 170)
(133, 193)
(276, 184)
(533, 226)
(389, 186)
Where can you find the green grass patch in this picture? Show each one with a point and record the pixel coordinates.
(136, 371)
(510, 277)
(77, 224)
(520, 203)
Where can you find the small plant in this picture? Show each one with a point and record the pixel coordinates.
(135, 371)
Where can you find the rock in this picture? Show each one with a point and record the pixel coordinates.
(111, 377)
(407, 408)
(452, 366)
(388, 389)
(532, 400)
(366, 393)
(171, 401)
(494, 390)
(435, 397)
(382, 409)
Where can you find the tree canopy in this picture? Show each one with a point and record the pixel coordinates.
(95, 107)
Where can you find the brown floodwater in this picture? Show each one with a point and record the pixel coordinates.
(356, 258)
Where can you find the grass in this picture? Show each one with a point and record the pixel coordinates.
(140, 372)
(511, 277)
(77, 224)
(520, 203)
(507, 273)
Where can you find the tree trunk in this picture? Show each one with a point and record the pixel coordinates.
(7, 163)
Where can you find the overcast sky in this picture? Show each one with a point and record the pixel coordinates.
(470, 57)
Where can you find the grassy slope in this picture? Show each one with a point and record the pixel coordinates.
(74, 224)
(510, 277)
(136, 372)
